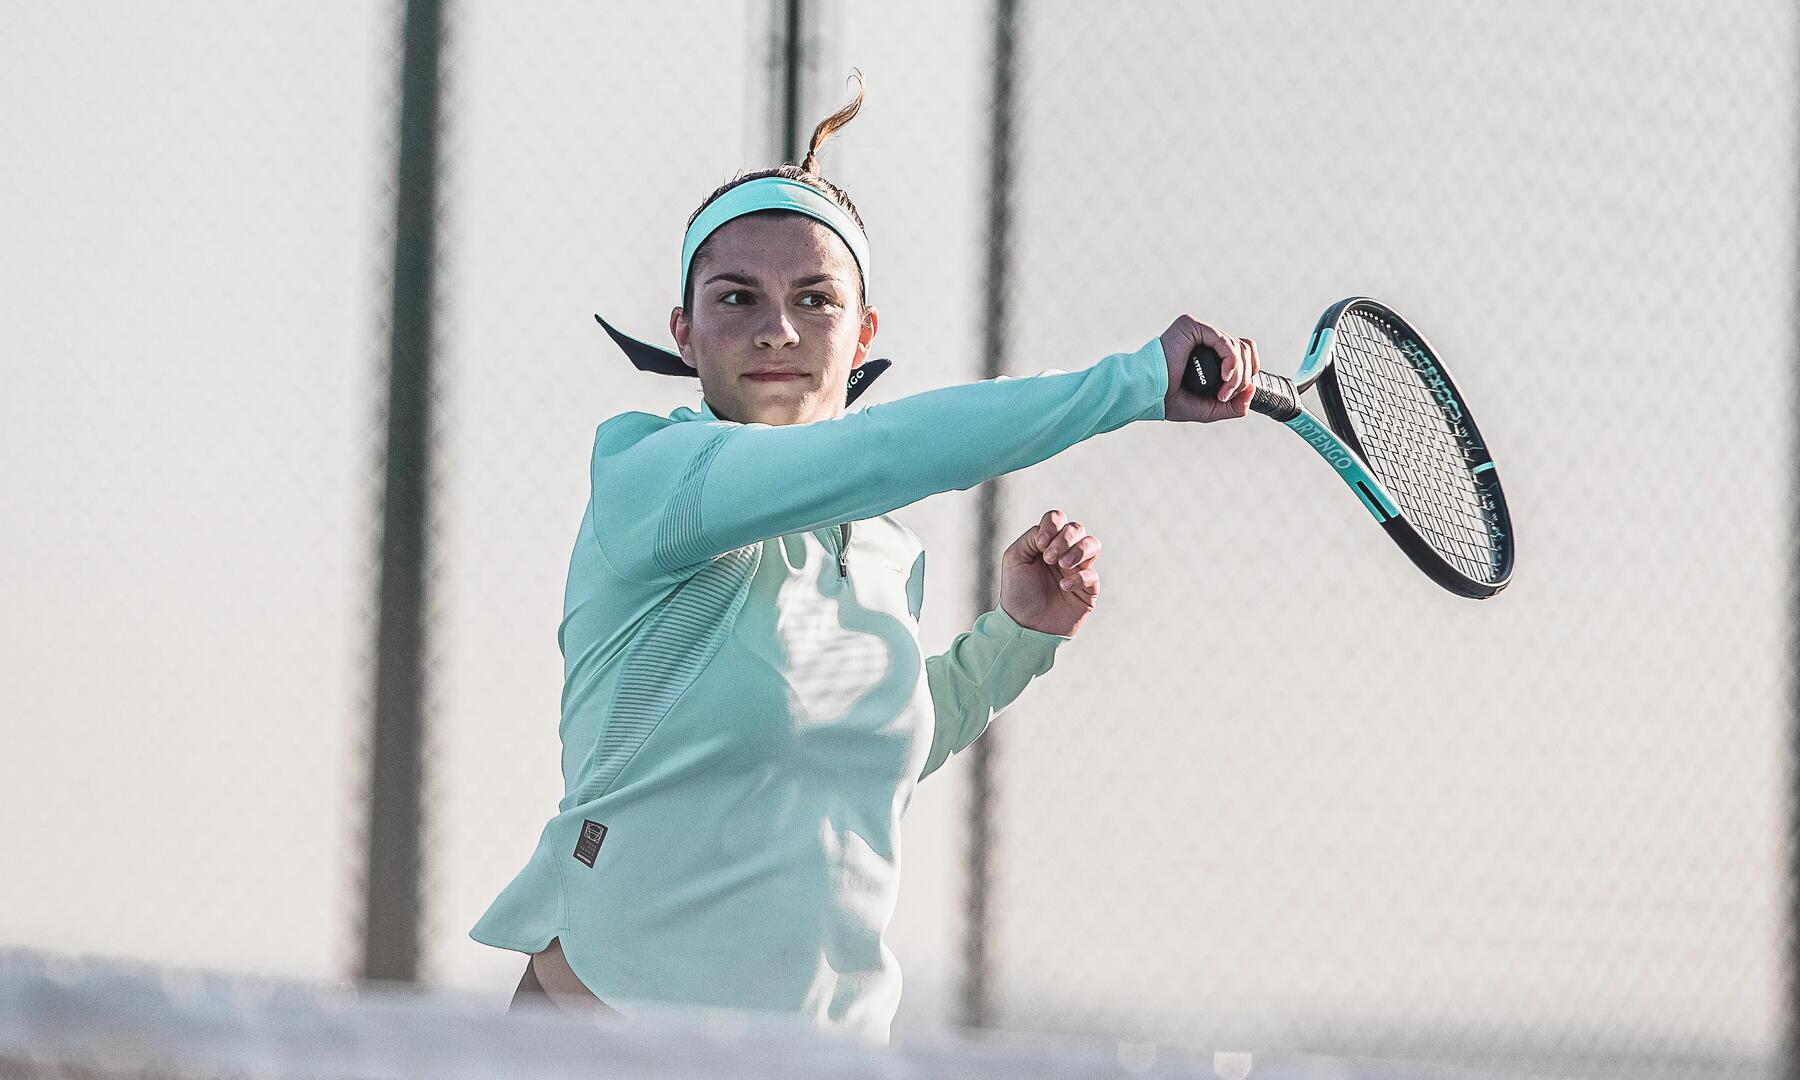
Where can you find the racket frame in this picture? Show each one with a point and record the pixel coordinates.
(1487, 478)
(1336, 440)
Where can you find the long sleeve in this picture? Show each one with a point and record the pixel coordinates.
(669, 496)
(979, 675)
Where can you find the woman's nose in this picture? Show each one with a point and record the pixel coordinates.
(776, 331)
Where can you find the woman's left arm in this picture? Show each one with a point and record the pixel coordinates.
(987, 667)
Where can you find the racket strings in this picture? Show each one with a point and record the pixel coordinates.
(1413, 445)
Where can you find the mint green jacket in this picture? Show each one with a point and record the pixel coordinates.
(746, 707)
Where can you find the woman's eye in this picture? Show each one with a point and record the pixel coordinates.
(725, 298)
(823, 298)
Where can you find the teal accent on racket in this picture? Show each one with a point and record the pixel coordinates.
(1350, 470)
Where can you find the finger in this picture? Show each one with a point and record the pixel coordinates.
(1070, 535)
(1065, 538)
(1240, 405)
(1232, 378)
(1219, 344)
(1048, 526)
(1085, 582)
(1242, 382)
(1025, 545)
(1079, 553)
(1254, 359)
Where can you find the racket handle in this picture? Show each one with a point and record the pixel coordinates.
(1275, 394)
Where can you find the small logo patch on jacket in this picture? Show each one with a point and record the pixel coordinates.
(588, 847)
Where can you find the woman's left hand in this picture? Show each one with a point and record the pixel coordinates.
(1048, 581)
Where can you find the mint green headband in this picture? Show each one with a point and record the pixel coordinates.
(773, 193)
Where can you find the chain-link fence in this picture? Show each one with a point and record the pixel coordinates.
(192, 214)
(1281, 793)
(1287, 792)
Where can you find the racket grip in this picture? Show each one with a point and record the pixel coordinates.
(1275, 394)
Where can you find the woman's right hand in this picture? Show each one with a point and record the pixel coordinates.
(1237, 366)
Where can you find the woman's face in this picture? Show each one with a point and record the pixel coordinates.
(774, 291)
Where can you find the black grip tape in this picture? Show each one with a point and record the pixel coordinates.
(1275, 395)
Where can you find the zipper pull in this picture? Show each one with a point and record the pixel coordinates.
(844, 552)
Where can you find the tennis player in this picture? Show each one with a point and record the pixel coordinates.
(746, 707)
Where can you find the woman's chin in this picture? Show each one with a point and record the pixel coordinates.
(774, 409)
(777, 415)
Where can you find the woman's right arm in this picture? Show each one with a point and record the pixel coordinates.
(670, 495)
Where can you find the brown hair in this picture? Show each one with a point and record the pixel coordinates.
(803, 172)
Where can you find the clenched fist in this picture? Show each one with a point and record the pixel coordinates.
(1048, 581)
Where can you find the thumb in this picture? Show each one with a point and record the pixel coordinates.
(1028, 544)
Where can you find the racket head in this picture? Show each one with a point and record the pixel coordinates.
(1387, 393)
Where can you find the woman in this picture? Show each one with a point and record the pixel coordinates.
(746, 708)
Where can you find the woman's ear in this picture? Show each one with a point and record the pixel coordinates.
(865, 334)
(680, 327)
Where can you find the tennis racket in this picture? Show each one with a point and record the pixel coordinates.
(1400, 435)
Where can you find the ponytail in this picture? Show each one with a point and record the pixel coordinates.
(830, 125)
